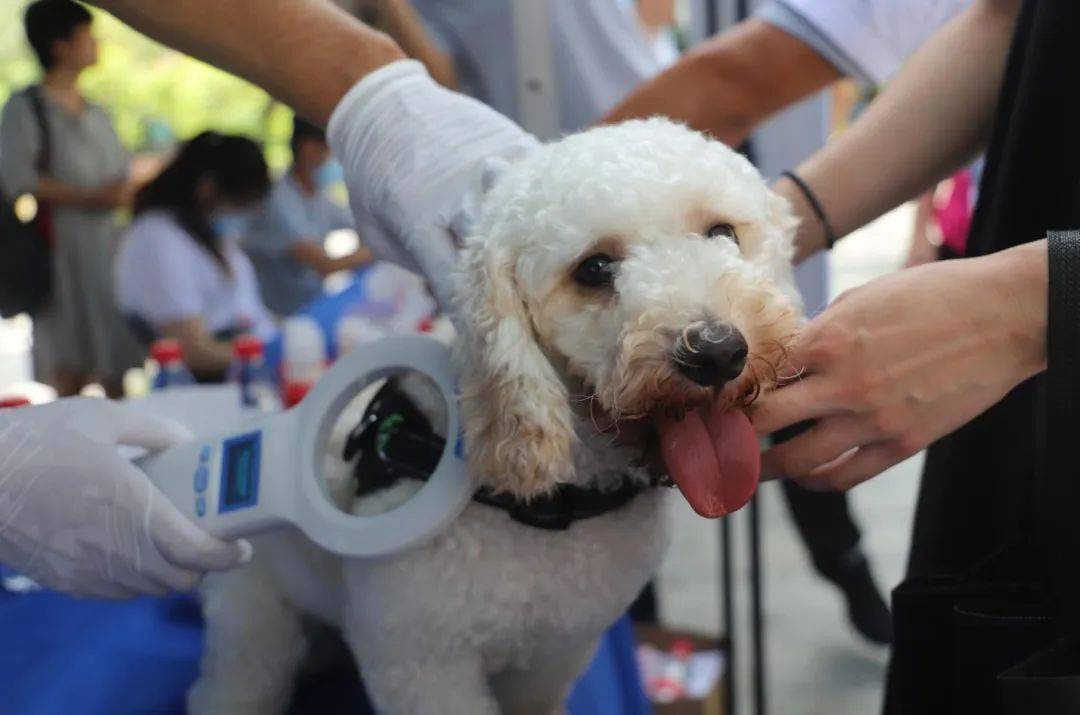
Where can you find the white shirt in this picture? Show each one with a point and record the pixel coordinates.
(163, 276)
(873, 38)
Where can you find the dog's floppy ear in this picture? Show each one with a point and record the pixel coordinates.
(516, 410)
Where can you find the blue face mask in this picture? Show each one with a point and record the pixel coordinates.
(230, 224)
(330, 172)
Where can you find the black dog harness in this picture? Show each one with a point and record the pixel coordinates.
(395, 441)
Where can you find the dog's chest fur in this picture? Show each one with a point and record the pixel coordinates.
(516, 594)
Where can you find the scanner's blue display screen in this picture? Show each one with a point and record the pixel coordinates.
(240, 472)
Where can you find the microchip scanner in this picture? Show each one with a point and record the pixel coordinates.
(268, 473)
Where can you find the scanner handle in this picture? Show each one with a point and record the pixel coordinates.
(216, 483)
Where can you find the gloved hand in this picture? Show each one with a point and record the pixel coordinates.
(415, 155)
(79, 518)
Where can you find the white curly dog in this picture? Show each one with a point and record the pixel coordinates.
(624, 287)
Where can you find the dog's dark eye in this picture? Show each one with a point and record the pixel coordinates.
(596, 271)
(723, 230)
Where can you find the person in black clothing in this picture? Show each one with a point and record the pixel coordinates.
(956, 355)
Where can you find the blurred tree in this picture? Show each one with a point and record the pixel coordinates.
(154, 94)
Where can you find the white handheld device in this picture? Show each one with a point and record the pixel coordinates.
(268, 474)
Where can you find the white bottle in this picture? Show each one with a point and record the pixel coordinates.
(303, 357)
(355, 330)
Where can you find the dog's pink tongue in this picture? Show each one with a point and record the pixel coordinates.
(714, 458)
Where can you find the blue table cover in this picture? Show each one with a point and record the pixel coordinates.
(63, 656)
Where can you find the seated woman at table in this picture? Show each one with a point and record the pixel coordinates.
(180, 272)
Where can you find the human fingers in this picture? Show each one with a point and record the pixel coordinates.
(150, 574)
(186, 546)
(143, 429)
(805, 399)
(858, 466)
(826, 440)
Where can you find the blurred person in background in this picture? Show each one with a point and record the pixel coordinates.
(286, 238)
(79, 336)
(180, 272)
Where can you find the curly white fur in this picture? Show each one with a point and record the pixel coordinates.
(494, 616)
(645, 192)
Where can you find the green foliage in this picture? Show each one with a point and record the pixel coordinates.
(154, 94)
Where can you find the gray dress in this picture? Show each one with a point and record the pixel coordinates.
(81, 329)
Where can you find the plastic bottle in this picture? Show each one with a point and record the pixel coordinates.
(248, 370)
(303, 357)
(169, 359)
(671, 685)
(355, 330)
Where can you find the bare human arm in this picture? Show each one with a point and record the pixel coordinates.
(276, 49)
(312, 254)
(731, 83)
(203, 353)
(898, 363)
(110, 196)
(399, 20)
(933, 118)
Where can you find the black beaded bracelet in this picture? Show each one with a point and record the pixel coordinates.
(815, 206)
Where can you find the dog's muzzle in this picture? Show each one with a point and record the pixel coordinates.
(710, 354)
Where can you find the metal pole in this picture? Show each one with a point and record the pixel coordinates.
(712, 17)
(727, 613)
(755, 605)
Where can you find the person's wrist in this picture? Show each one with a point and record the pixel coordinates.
(1020, 278)
(380, 50)
(810, 234)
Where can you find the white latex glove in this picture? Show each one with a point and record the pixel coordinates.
(415, 155)
(77, 517)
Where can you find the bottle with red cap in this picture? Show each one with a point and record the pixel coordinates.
(248, 370)
(303, 359)
(671, 684)
(168, 356)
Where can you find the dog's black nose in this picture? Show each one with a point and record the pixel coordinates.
(711, 355)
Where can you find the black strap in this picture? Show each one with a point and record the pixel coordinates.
(37, 103)
(815, 206)
(1059, 491)
(567, 504)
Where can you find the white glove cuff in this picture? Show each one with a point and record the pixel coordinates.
(358, 105)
